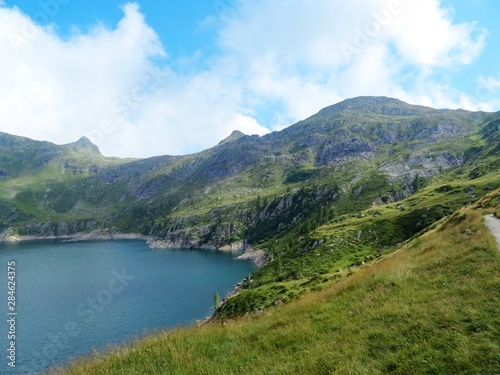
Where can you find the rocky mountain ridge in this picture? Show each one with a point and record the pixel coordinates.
(246, 189)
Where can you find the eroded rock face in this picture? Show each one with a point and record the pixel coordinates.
(57, 229)
(420, 165)
(337, 152)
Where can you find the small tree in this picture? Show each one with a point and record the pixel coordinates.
(216, 300)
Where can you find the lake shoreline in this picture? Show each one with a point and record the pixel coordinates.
(258, 257)
(93, 236)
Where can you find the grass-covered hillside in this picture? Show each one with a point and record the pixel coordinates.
(430, 307)
(353, 231)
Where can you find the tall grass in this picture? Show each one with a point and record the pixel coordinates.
(429, 308)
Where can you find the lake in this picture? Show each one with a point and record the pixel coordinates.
(73, 297)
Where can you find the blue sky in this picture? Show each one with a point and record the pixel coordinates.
(145, 78)
(178, 23)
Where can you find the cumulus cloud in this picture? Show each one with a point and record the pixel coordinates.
(426, 36)
(60, 90)
(307, 54)
(489, 83)
(276, 63)
(104, 85)
(487, 93)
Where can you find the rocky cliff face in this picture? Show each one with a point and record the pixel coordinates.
(50, 229)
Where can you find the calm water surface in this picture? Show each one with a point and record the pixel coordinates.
(74, 297)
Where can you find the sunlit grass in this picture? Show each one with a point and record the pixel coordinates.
(431, 307)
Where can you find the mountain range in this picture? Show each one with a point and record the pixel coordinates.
(299, 194)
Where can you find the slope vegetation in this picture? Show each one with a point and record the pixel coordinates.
(431, 307)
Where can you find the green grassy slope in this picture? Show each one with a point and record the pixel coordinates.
(41, 181)
(311, 261)
(431, 307)
(348, 232)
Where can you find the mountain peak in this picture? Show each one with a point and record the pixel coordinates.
(84, 144)
(376, 104)
(84, 140)
(235, 135)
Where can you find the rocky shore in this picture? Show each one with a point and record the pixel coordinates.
(92, 236)
(257, 256)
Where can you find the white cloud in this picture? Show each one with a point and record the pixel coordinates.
(60, 90)
(426, 36)
(287, 59)
(344, 49)
(487, 94)
(104, 85)
(489, 83)
(246, 124)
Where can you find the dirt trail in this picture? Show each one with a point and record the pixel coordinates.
(494, 224)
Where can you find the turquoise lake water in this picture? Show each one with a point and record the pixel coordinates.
(73, 297)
